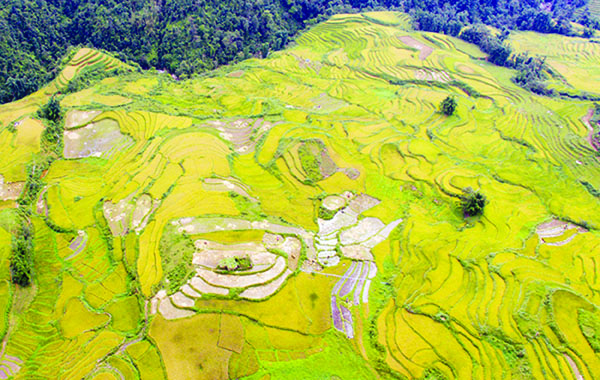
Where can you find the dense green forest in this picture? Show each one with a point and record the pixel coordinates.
(190, 36)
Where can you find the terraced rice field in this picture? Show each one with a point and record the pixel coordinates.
(328, 167)
(575, 60)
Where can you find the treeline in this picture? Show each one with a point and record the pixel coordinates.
(449, 17)
(469, 21)
(22, 248)
(191, 36)
(181, 36)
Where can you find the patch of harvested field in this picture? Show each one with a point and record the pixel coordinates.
(210, 255)
(78, 244)
(118, 215)
(325, 103)
(129, 213)
(465, 69)
(101, 139)
(557, 232)
(243, 133)
(11, 190)
(305, 63)
(170, 312)
(364, 230)
(181, 300)
(236, 74)
(75, 118)
(334, 202)
(226, 185)
(424, 49)
(578, 375)
(242, 281)
(357, 252)
(292, 247)
(264, 291)
(197, 226)
(202, 286)
(432, 75)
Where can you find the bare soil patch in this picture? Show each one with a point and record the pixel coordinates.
(549, 231)
(357, 252)
(424, 50)
(264, 291)
(169, 311)
(236, 74)
(203, 287)
(181, 300)
(242, 281)
(10, 191)
(100, 139)
(75, 118)
(242, 133)
(210, 254)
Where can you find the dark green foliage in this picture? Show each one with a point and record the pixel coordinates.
(234, 264)
(51, 111)
(480, 35)
(472, 202)
(21, 260)
(187, 37)
(181, 36)
(532, 71)
(514, 353)
(433, 374)
(448, 105)
(446, 16)
(590, 188)
(325, 213)
(247, 207)
(88, 76)
(33, 183)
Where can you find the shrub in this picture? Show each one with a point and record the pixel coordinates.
(237, 263)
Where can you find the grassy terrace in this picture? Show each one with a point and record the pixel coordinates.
(159, 172)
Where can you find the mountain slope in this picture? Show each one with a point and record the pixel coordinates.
(329, 167)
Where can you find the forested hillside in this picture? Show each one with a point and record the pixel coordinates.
(188, 36)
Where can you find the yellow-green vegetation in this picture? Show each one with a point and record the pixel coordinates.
(269, 149)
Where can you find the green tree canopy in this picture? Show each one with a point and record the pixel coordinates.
(472, 202)
(448, 105)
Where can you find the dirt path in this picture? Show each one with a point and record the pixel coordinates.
(586, 120)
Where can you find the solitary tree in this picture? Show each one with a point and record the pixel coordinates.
(472, 202)
(448, 105)
(51, 110)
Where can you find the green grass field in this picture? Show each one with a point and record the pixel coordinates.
(350, 109)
